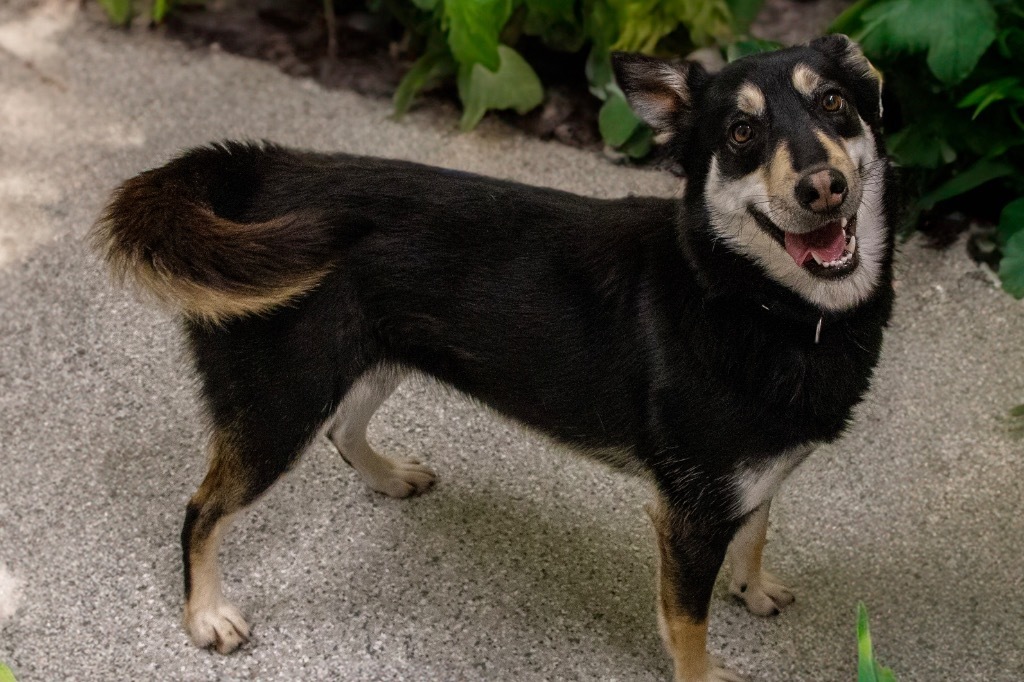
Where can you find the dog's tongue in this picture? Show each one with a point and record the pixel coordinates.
(827, 243)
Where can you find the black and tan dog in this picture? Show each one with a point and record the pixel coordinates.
(708, 344)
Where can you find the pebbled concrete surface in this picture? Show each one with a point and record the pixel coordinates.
(524, 564)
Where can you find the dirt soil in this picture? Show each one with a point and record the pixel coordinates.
(372, 53)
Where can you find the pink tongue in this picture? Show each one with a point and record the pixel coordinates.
(827, 243)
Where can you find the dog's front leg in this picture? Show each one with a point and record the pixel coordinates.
(691, 551)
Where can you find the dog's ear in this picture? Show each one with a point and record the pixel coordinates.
(868, 79)
(662, 93)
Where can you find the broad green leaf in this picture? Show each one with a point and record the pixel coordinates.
(473, 30)
(917, 145)
(851, 21)
(745, 48)
(616, 120)
(1017, 411)
(976, 175)
(954, 33)
(599, 72)
(743, 13)
(119, 11)
(981, 97)
(639, 143)
(1011, 220)
(5, 674)
(1011, 267)
(514, 85)
(428, 69)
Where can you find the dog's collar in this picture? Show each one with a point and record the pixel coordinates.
(804, 315)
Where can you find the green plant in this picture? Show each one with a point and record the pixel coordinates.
(121, 12)
(475, 40)
(868, 669)
(5, 674)
(954, 69)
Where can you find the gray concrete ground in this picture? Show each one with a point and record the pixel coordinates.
(524, 564)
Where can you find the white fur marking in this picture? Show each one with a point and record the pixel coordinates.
(755, 486)
(732, 221)
(393, 477)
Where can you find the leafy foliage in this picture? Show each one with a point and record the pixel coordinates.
(476, 40)
(5, 674)
(954, 68)
(868, 669)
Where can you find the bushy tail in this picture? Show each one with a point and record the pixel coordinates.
(183, 233)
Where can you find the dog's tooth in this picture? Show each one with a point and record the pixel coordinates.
(816, 258)
(842, 222)
(852, 246)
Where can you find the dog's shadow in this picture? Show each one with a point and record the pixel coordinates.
(538, 564)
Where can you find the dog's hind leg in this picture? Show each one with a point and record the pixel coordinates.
(393, 477)
(242, 467)
(763, 594)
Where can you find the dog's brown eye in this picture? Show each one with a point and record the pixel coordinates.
(833, 102)
(741, 133)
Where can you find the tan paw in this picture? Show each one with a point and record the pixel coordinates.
(764, 596)
(716, 672)
(402, 478)
(219, 625)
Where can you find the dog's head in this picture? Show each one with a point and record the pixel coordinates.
(783, 150)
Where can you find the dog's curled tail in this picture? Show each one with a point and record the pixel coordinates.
(178, 232)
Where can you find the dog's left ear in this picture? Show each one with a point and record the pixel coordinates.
(868, 84)
(662, 93)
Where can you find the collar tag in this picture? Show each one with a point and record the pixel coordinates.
(817, 331)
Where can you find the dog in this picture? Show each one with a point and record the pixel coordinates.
(707, 343)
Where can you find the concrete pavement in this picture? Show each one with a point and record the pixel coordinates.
(524, 563)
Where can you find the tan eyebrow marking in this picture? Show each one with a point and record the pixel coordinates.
(750, 100)
(805, 80)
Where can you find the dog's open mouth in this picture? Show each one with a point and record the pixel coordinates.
(829, 251)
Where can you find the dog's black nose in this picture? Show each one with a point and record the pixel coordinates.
(823, 190)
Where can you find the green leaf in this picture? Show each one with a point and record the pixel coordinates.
(426, 5)
(616, 120)
(745, 48)
(473, 29)
(1011, 220)
(954, 33)
(851, 21)
(5, 674)
(514, 85)
(743, 13)
(434, 65)
(918, 145)
(639, 143)
(868, 669)
(160, 9)
(976, 175)
(1003, 88)
(1011, 267)
(119, 11)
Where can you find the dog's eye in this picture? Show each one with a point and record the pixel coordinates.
(833, 102)
(741, 133)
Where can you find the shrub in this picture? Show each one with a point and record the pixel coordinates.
(954, 69)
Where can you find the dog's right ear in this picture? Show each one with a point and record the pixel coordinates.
(662, 93)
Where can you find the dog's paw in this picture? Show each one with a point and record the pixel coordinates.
(402, 478)
(220, 626)
(716, 672)
(764, 596)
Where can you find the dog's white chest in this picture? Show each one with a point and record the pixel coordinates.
(757, 484)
